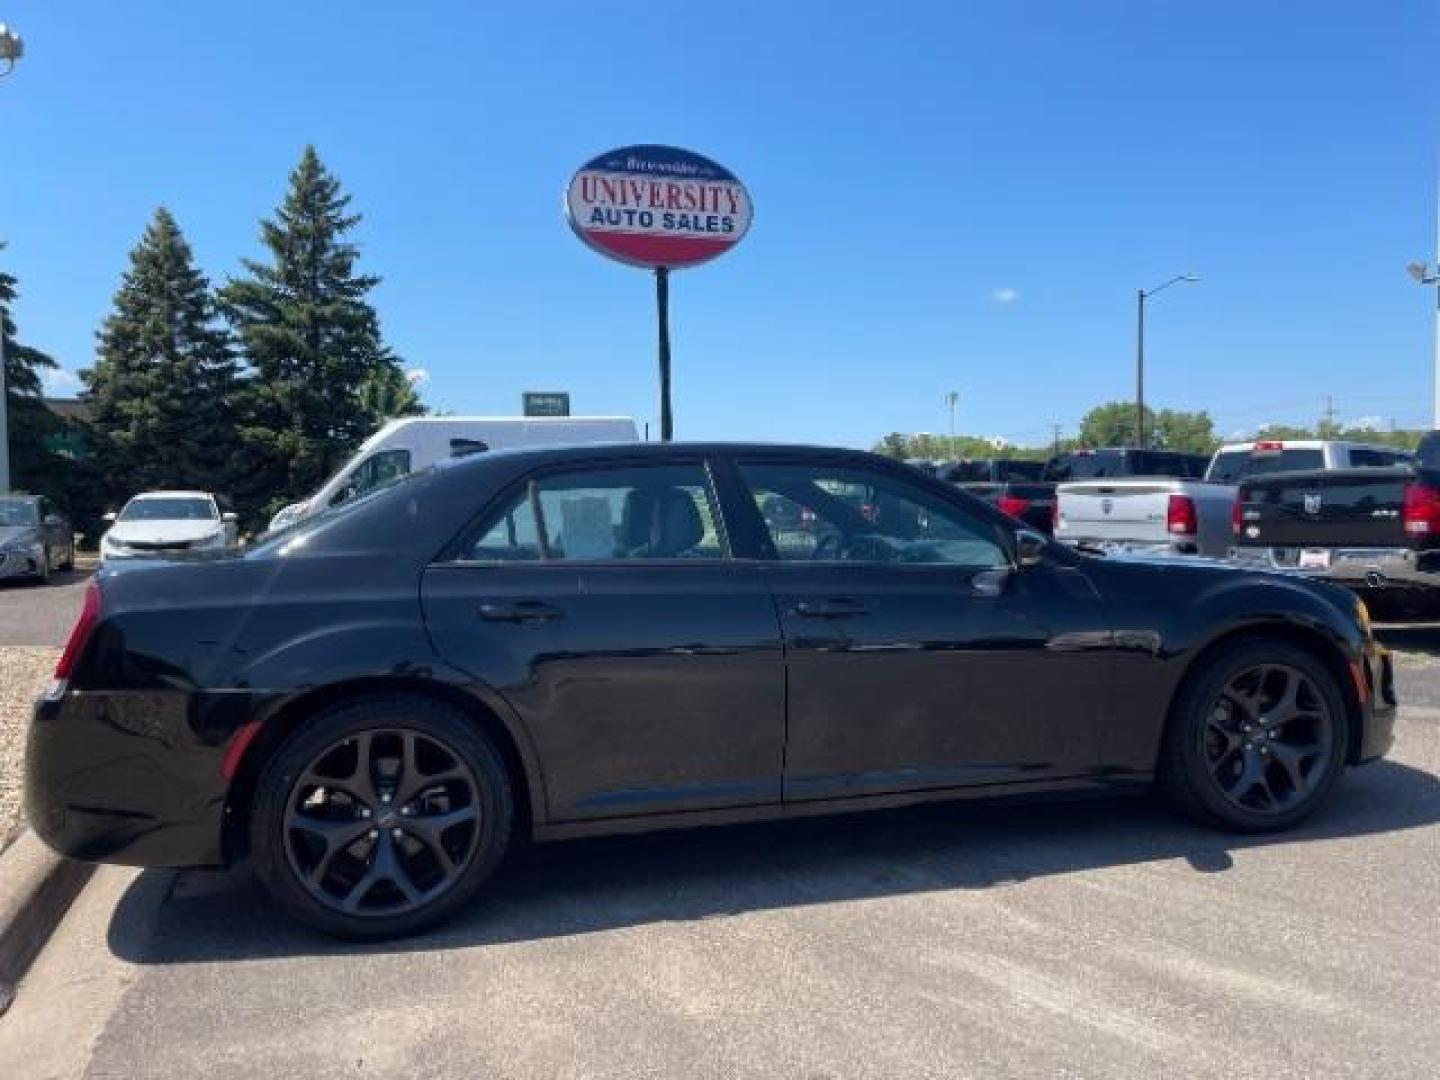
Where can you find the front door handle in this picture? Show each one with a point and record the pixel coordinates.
(835, 607)
(521, 611)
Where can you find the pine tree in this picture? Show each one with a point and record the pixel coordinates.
(35, 466)
(320, 374)
(161, 391)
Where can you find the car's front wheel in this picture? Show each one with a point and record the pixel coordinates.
(381, 817)
(1257, 738)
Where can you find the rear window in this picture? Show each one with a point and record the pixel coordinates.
(1092, 465)
(1021, 470)
(1232, 466)
(967, 472)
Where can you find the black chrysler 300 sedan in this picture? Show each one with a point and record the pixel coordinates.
(559, 642)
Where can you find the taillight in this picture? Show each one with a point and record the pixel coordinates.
(1422, 510)
(1012, 505)
(1180, 515)
(1237, 515)
(80, 634)
(1055, 514)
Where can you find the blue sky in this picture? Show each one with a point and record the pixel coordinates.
(948, 195)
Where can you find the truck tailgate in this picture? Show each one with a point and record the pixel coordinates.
(1339, 508)
(1132, 510)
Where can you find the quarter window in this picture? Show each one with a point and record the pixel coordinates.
(623, 514)
(855, 515)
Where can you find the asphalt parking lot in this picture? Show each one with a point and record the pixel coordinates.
(32, 614)
(1094, 939)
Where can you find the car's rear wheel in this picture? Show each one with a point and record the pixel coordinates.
(1257, 738)
(381, 817)
(42, 572)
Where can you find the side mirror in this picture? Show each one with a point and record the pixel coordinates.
(110, 516)
(229, 515)
(1029, 548)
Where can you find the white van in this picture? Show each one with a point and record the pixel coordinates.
(416, 442)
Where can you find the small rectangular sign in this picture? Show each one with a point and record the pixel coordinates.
(546, 403)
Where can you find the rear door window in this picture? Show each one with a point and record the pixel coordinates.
(645, 512)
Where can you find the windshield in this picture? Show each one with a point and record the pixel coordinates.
(19, 512)
(1089, 465)
(168, 509)
(1232, 466)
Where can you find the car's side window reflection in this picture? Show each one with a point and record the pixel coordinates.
(855, 515)
(656, 512)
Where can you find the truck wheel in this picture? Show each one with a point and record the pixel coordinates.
(1256, 739)
(380, 817)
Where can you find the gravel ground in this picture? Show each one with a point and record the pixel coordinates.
(24, 671)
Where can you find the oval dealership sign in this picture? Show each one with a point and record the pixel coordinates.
(656, 206)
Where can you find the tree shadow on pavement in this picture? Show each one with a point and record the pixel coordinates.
(579, 887)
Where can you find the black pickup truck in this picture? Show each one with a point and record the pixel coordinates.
(1026, 489)
(1016, 486)
(1375, 530)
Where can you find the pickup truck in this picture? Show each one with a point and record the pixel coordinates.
(1183, 513)
(1014, 485)
(1375, 530)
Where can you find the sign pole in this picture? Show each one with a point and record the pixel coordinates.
(662, 310)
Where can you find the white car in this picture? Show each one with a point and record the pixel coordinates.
(415, 442)
(159, 523)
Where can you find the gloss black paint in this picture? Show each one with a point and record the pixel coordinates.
(666, 693)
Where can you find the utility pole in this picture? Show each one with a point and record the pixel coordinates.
(952, 399)
(1056, 428)
(1329, 432)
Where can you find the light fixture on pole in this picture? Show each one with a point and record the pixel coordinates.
(1141, 295)
(12, 48)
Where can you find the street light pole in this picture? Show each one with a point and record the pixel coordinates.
(4, 413)
(1141, 295)
(952, 399)
(12, 48)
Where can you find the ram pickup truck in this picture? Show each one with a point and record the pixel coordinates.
(1016, 486)
(1174, 513)
(1374, 530)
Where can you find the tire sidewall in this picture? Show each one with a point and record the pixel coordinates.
(1199, 699)
(432, 719)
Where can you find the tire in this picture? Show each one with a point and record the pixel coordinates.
(1281, 769)
(389, 842)
(42, 575)
(69, 564)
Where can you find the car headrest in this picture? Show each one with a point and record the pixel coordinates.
(660, 523)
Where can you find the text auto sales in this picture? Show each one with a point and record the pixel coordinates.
(688, 206)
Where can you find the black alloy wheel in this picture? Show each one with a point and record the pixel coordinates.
(381, 817)
(1256, 739)
(382, 822)
(1268, 738)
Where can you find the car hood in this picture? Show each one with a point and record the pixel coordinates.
(162, 532)
(18, 534)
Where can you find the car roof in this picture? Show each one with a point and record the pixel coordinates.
(172, 495)
(531, 455)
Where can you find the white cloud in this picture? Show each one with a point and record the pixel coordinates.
(1004, 295)
(417, 376)
(58, 382)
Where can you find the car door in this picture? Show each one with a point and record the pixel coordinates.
(645, 663)
(917, 656)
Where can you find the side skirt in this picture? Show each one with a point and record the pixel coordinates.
(1129, 784)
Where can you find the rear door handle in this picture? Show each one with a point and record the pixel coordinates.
(521, 611)
(834, 607)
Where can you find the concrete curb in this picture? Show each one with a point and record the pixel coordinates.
(37, 887)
